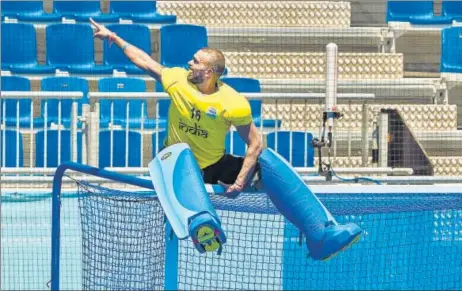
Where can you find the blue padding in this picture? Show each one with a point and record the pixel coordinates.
(140, 11)
(135, 34)
(11, 150)
(178, 182)
(403, 10)
(83, 10)
(120, 106)
(158, 138)
(299, 141)
(28, 11)
(451, 50)
(77, 41)
(179, 43)
(52, 148)
(70, 84)
(119, 149)
(239, 146)
(293, 198)
(19, 49)
(16, 83)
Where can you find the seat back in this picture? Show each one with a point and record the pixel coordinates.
(120, 106)
(69, 44)
(179, 43)
(12, 141)
(402, 10)
(119, 149)
(19, 44)
(451, 8)
(15, 83)
(69, 8)
(135, 34)
(300, 154)
(246, 85)
(451, 50)
(54, 147)
(128, 8)
(71, 84)
(21, 7)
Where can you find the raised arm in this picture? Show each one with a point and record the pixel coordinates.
(138, 57)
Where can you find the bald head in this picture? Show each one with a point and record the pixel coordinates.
(215, 60)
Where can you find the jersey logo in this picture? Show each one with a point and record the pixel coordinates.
(212, 112)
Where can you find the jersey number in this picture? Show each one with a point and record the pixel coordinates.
(195, 113)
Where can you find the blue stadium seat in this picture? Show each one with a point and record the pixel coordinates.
(17, 83)
(19, 49)
(119, 149)
(249, 85)
(236, 146)
(70, 48)
(164, 105)
(159, 141)
(140, 11)
(135, 34)
(179, 43)
(53, 146)
(8, 139)
(83, 10)
(27, 11)
(453, 9)
(71, 84)
(451, 50)
(415, 12)
(120, 106)
(300, 140)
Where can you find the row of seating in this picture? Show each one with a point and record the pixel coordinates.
(136, 11)
(70, 47)
(421, 12)
(301, 155)
(121, 84)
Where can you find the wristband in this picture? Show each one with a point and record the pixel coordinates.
(125, 46)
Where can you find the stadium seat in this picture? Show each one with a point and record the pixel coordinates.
(164, 105)
(83, 10)
(249, 85)
(17, 83)
(27, 11)
(140, 11)
(451, 50)
(19, 49)
(159, 141)
(415, 12)
(70, 48)
(179, 43)
(236, 146)
(452, 9)
(120, 106)
(70, 84)
(135, 34)
(52, 159)
(119, 149)
(12, 151)
(301, 141)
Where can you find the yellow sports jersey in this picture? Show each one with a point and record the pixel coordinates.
(202, 121)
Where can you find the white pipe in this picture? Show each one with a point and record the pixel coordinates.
(40, 94)
(257, 96)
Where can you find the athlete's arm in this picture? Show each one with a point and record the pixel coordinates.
(137, 56)
(250, 134)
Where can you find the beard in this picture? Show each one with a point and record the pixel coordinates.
(196, 77)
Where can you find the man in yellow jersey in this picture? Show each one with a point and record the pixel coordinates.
(201, 112)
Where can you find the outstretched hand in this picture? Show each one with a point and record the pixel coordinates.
(101, 31)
